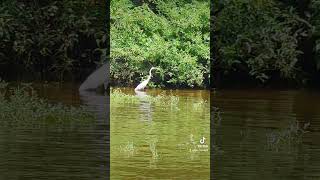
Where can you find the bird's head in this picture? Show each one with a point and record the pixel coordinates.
(155, 68)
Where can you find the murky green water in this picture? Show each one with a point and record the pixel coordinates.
(160, 141)
(54, 154)
(256, 138)
(147, 141)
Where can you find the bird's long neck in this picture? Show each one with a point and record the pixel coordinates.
(150, 75)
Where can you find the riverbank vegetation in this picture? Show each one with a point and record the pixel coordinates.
(117, 97)
(170, 34)
(266, 42)
(21, 107)
(51, 40)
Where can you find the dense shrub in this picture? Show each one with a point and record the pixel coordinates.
(172, 35)
(267, 40)
(259, 38)
(51, 36)
(315, 20)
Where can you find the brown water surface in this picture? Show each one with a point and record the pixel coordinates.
(53, 154)
(148, 141)
(256, 138)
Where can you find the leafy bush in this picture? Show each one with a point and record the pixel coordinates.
(173, 35)
(259, 38)
(315, 20)
(268, 40)
(55, 36)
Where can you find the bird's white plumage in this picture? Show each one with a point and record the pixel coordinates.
(97, 78)
(144, 83)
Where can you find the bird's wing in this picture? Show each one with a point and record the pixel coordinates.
(97, 78)
(142, 85)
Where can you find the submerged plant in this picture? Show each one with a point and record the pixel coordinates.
(215, 118)
(152, 147)
(288, 137)
(3, 84)
(163, 101)
(130, 149)
(21, 107)
(200, 105)
(118, 97)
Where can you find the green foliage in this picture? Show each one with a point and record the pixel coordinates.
(172, 35)
(119, 98)
(259, 38)
(315, 20)
(21, 107)
(56, 36)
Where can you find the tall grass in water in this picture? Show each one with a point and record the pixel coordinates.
(163, 101)
(286, 138)
(118, 97)
(215, 118)
(155, 156)
(129, 149)
(21, 107)
(153, 149)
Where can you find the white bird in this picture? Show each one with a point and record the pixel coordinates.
(144, 83)
(97, 78)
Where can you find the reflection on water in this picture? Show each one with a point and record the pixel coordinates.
(145, 106)
(53, 154)
(97, 103)
(152, 140)
(262, 136)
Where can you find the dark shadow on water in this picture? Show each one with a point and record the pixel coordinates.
(248, 119)
(97, 103)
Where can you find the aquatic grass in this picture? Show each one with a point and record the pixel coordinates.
(215, 118)
(163, 101)
(130, 149)
(154, 154)
(153, 149)
(200, 105)
(288, 137)
(118, 97)
(21, 108)
(3, 84)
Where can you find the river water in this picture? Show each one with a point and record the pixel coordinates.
(256, 139)
(259, 134)
(49, 153)
(161, 141)
(148, 141)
